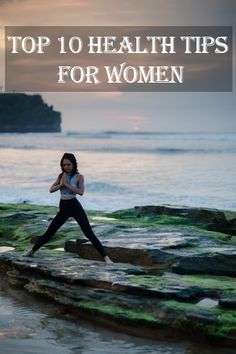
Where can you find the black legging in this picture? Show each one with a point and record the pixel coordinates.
(70, 208)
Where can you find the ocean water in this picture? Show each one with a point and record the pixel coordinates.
(123, 170)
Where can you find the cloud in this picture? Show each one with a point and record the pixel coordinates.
(2, 2)
(112, 94)
(136, 122)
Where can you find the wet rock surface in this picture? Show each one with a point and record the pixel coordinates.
(170, 277)
(128, 297)
(218, 263)
(183, 249)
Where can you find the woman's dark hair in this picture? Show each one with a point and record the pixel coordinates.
(72, 159)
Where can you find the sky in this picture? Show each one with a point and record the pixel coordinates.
(131, 111)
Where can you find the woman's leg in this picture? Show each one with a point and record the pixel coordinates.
(80, 216)
(56, 223)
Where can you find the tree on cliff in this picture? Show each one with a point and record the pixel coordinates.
(27, 113)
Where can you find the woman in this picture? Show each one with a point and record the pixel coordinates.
(70, 182)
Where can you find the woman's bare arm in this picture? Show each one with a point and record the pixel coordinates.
(56, 185)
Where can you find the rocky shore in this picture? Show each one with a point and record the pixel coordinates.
(174, 273)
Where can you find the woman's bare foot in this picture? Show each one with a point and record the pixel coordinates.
(28, 254)
(108, 261)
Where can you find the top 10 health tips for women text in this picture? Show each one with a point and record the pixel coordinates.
(118, 59)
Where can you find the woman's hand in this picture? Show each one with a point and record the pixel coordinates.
(58, 184)
(64, 179)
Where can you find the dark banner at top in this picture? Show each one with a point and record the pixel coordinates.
(137, 59)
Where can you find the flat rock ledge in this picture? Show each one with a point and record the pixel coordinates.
(183, 250)
(134, 299)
